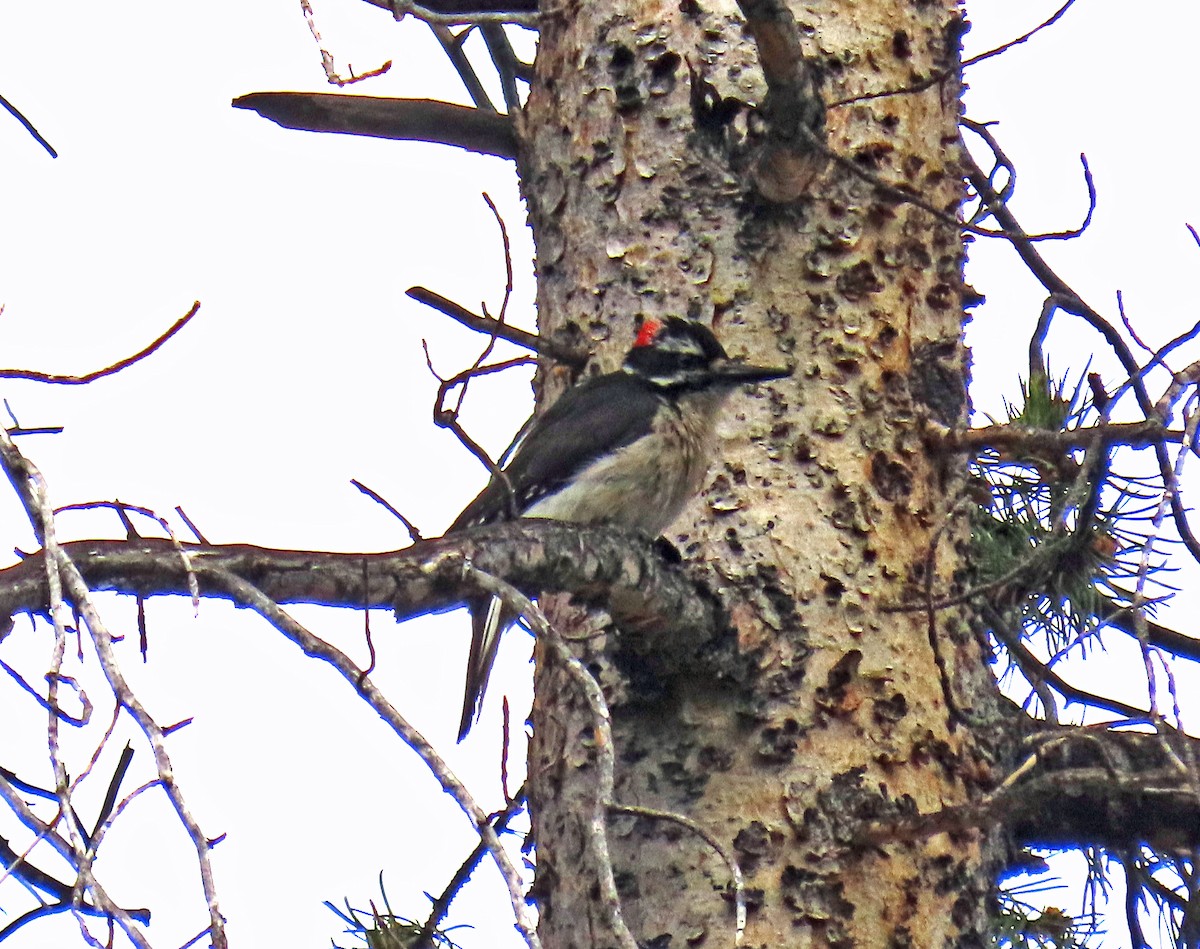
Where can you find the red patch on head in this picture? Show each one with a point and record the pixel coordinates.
(647, 333)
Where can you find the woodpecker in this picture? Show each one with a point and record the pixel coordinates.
(629, 449)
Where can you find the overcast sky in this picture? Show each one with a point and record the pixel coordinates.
(304, 369)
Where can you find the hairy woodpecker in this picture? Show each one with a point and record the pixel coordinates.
(629, 448)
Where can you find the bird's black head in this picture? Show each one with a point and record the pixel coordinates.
(675, 353)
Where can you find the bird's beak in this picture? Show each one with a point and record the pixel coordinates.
(736, 373)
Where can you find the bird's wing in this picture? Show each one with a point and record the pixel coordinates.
(598, 416)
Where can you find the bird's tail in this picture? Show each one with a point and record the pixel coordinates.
(489, 619)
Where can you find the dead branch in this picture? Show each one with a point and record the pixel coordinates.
(793, 109)
(452, 46)
(1024, 37)
(248, 594)
(1045, 443)
(603, 567)
(413, 533)
(64, 583)
(727, 857)
(494, 328)
(19, 867)
(1035, 670)
(504, 58)
(1073, 303)
(1177, 643)
(448, 418)
(327, 61)
(422, 120)
(944, 74)
(116, 367)
(433, 14)
(28, 126)
(598, 860)
(1110, 788)
(441, 905)
(468, 7)
(901, 194)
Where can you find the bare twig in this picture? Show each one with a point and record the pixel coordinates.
(1033, 669)
(31, 489)
(1170, 492)
(103, 826)
(413, 533)
(481, 324)
(597, 833)
(101, 745)
(114, 787)
(1074, 304)
(402, 8)
(1010, 437)
(327, 62)
(1180, 382)
(366, 581)
(461, 379)
(958, 713)
(41, 430)
(1005, 47)
(103, 904)
(122, 508)
(441, 905)
(726, 855)
(505, 745)
(249, 595)
(190, 526)
(469, 6)
(37, 136)
(505, 61)
(944, 74)
(902, 195)
(448, 418)
(108, 370)
(17, 865)
(499, 319)
(452, 46)
(1016, 233)
(77, 720)
(32, 492)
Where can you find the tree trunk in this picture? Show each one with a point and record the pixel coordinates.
(821, 711)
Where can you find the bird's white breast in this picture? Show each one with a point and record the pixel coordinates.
(644, 485)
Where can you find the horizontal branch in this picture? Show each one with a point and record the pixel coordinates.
(422, 120)
(467, 7)
(1082, 786)
(1111, 788)
(1130, 434)
(607, 568)
(460, 13)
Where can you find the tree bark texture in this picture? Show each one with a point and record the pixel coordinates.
(821, 711)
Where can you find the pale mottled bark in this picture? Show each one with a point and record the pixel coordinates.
(824, 712)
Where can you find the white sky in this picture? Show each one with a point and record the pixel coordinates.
(304, 369)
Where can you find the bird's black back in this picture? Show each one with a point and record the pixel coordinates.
(575, 431)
